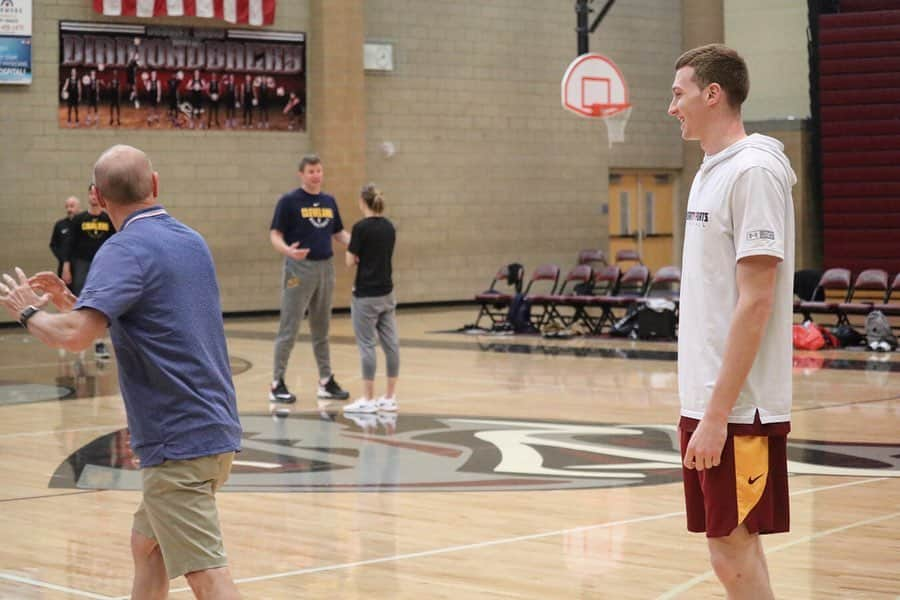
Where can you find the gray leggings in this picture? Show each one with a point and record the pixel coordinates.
(373, 317)
(306, 285)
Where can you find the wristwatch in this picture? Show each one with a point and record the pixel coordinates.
(27, 314)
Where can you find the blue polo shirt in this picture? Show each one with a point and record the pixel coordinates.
(156, 283)
(310, 219)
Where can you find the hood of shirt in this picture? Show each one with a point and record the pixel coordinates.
(756, 141)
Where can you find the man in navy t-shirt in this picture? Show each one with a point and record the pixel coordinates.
(306, 220)
(154, 285)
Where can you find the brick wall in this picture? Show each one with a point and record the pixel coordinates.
(488, 168)
(224, 184)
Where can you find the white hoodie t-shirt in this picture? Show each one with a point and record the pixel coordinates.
(740, 205)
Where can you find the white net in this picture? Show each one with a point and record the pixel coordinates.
(615, 126)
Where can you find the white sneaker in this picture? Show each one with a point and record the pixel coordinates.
(361, 405)
(387, 404)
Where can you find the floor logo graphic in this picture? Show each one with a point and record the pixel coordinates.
(312, 452)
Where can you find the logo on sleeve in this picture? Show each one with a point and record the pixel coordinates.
(760, 234)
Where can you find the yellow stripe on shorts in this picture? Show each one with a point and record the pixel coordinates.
(751, 469)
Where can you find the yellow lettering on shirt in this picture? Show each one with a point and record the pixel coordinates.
(95, 226)
(316, 212)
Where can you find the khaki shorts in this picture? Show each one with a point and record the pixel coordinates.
(179, 512)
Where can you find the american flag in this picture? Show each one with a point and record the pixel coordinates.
(250, 12)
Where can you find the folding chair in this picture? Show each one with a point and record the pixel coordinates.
(872, 282)
(551, 303)
(494, 303)
(836, 284)
(666, 283)
(605, 283)
(594, 258)
(543, 276)
(632, 285)
(891, 305)
(628, 255)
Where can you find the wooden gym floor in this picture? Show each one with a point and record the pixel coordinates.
(516, 468)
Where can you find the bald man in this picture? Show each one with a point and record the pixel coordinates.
(154, 286)
(62, 232)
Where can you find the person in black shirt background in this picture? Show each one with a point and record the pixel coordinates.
(89, 230)
(62, 231)
(373, 307)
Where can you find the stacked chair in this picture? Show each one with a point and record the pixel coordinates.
(593, 294)
(846, 297)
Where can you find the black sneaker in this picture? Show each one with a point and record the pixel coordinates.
(100, 351)
(280, 394)
(332, 391)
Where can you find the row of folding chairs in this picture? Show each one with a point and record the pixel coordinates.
(592, 296)
(845, 297)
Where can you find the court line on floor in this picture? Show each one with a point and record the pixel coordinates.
(673, 593)
(52, 431)
(687, 585)
(459, 548)
(438, 551)
(54, 587)
(50, 495)
(499, 542)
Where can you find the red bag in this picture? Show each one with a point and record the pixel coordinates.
(808, 337)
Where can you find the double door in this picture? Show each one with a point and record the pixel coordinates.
(641, 215)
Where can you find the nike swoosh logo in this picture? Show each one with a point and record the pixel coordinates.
(752, 480)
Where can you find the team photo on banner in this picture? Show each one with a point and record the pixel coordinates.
(164, 77)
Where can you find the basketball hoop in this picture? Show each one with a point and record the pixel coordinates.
(615, 126)
(594, 87)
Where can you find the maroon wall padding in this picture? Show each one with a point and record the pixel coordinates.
(857, 6)
(862, 221)
(859, 206)
(880, 206)
(870, 112)
(861, 189)
(881, 64)
(854, 174)
(861, 19)
(837, 34)
(868, 142)
(837, 160)
(861, 81)
(862, 50)
(856, 95)
(859, 125)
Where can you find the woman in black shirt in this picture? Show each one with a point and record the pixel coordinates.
(373, 306)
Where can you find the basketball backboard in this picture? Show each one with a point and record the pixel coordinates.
(593, 86)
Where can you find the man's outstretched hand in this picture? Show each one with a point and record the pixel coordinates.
(48, 283)
(16, 296)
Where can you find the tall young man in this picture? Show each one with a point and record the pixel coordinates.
(306, 221)
(734, 343)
